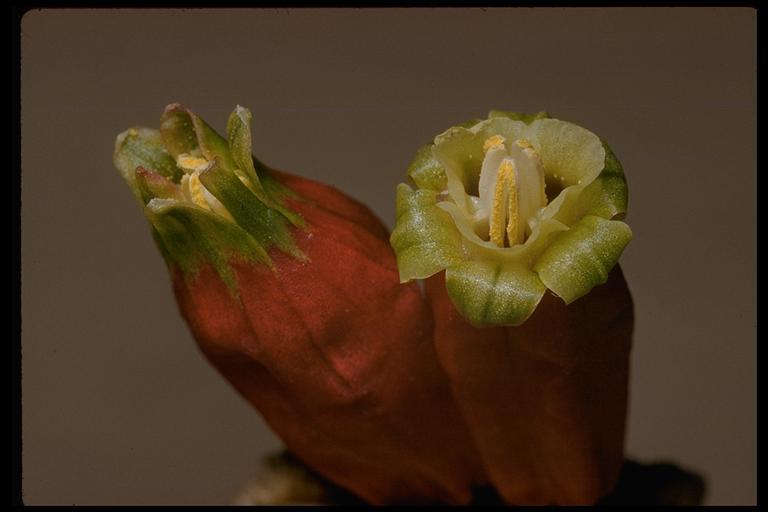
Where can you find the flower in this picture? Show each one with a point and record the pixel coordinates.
(510, 206)
(291, 290)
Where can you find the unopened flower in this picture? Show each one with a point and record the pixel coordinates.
(292, 292)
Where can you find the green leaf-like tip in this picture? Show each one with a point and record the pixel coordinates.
(153, 185)
(491, 293)
(266, 225)
(583, 256)
(570, 244)
(143, 147)
(207, 198)
(425, 239)
(178, 130)
(239, 136)
(192, 236)
(426, 171)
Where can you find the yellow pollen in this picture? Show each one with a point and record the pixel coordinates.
(191, 163)
(494, 142)
(196, 191)
(505, 179)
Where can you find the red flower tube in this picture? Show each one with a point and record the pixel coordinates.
(546, 401)
(291, 291)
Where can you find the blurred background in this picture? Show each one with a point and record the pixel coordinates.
(119, 406)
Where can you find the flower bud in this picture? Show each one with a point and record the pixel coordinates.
(291, 291)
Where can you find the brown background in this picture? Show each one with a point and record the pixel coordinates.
(118, 405)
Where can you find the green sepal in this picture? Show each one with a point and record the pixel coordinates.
(239, 137)
(143, 147)
(571, 154)
(425, 171)
(152, 185)
(425, 239)
(213, 145)
(582, 257)
(184, 132)
(491, 293)
(178, 130)
(267, 226)
(606, 196)
(517, 116)
(191, 236)
(275, 192)
(240, 147)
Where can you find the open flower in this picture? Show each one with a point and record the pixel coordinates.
(291, 290)
(509, 207)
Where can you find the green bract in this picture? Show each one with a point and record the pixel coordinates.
(208, 200)
(570, 243)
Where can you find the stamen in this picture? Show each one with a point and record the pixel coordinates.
(196, 191)
(511, 191)
(493, 142)
(191, 163)
(496, 229)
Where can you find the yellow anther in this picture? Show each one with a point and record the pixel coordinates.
(493, 142)
(191, 163)
(196, 191)
(132, 132)
(505, 175)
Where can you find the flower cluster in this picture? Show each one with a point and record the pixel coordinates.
(293, 292)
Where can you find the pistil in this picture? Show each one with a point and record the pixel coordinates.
(504, 202)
